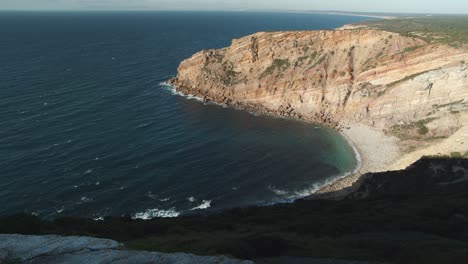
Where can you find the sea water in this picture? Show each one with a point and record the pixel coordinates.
(88, 129)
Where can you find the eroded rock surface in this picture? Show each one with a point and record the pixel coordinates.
(58, 249)
(402, 86)
(398, 84)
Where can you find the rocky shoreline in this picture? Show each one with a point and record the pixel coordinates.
(390, 95)
(284, 111)
(374, 150)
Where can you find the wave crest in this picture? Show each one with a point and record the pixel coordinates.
(277, 191)
(174, 91)
(153, 213)
(204, 205)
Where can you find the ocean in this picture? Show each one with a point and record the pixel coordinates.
(88, 128)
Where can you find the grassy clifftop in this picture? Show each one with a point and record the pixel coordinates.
(452, 30)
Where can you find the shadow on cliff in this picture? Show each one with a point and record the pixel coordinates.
(417, 215)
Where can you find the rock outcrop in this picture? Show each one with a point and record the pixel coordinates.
(58, 249)
(394, 83)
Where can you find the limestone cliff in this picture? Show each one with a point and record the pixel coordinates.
(398, 84)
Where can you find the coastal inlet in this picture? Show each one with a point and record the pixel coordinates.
(88, 129)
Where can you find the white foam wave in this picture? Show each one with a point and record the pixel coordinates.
(152, 196)
(278, 191)
(153, 213)
(143, 125)
(155, 197)
(193, 97)
(85, 199)
(191, 199)
(205, 205)
(317, 186)
(292, 196)
(99, 218)
(173, 90)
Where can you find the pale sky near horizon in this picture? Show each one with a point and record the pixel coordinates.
(400, 6)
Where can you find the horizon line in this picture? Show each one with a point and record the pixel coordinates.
(229, 10)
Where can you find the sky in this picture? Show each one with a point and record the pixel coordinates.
(399, 6)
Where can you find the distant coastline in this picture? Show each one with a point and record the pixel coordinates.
(343, 13)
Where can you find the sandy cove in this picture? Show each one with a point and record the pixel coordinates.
(375, 152)
(378, 152)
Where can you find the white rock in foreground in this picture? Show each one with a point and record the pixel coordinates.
(58, 249)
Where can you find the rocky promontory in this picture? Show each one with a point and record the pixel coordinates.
(401, 86)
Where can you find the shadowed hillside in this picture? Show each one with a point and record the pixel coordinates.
(418, 215)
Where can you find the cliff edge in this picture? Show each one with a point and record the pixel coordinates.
(402, 86)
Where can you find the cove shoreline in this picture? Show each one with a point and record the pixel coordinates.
(373, 150)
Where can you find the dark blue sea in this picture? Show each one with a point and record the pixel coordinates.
(87, 128)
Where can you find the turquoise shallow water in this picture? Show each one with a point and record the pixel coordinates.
(87, 129)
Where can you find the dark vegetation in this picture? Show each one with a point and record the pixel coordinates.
(452, 30)
(278, 66)
(412, 130)
(419, 215)
(409, 77)
(454, 107)
(318, 62)
(406, 78)
(437, 106)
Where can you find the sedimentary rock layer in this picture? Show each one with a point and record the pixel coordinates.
(373, 77)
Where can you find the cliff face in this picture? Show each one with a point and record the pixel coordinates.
(378, 78)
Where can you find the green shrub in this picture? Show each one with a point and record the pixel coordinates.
(409, 77)
(279, 65)
(422, 129)
(318, 62)
(451, 30)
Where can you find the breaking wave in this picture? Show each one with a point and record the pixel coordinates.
(277, 191)
(153, 213)
(174, 91)
(205, 205)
